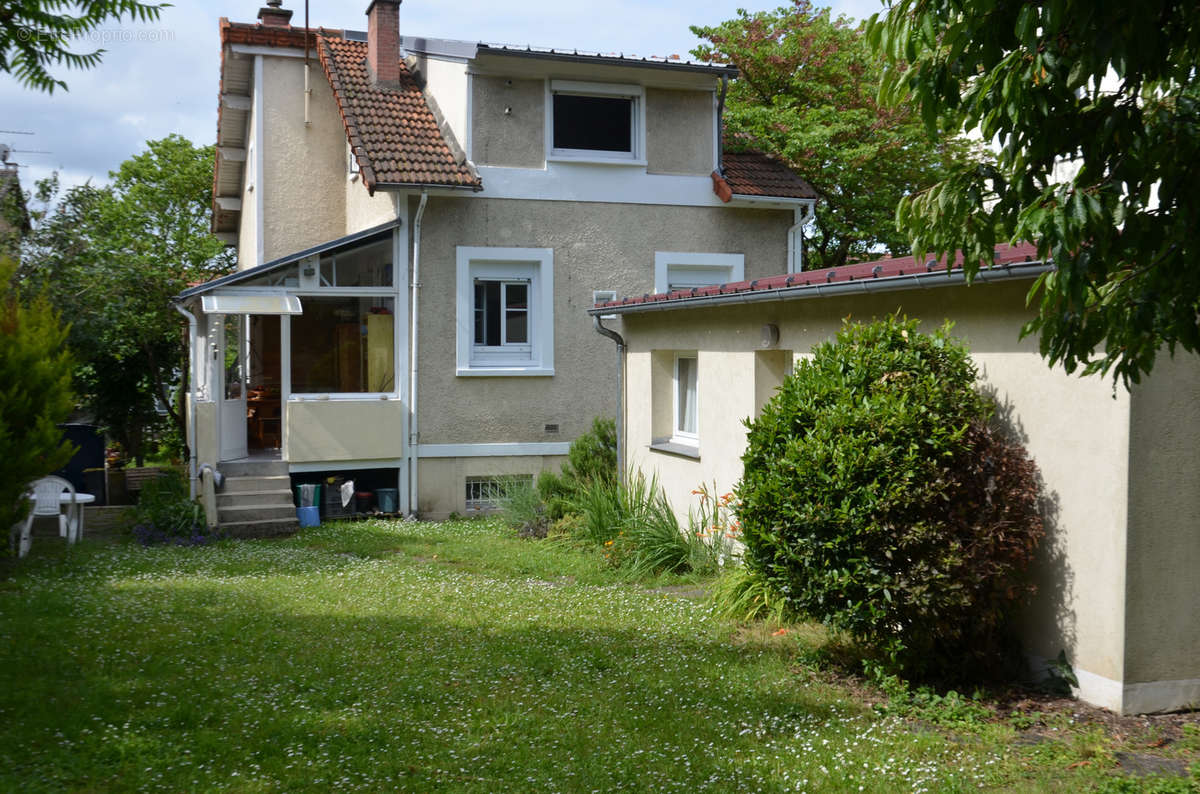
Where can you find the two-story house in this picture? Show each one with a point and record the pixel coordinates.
(421, 225)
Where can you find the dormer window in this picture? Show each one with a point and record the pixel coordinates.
(595, 122)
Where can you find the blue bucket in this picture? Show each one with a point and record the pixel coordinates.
(387, 499)
(309, 516)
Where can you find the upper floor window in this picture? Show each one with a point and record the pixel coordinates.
(596, 121)
(676, 270)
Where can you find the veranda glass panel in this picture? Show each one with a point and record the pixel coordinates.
(344, 346)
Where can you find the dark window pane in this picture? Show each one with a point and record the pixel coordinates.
(480, 313)
(517, 325)
(516, 296)
(343, 344)
(603, 124)
(487, 313)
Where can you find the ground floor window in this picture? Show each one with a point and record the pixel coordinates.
(686, 429)
(344, 345)
(505, 311)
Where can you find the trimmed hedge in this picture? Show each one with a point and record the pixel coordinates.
(877, 499)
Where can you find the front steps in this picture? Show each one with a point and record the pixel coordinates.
(256, 500)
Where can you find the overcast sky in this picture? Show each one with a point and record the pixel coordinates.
(162, 77)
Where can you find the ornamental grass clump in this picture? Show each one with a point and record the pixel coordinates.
(878, 499)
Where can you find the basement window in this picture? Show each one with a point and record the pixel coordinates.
(489, 493)
(597, 122)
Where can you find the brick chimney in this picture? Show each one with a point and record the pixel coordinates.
(273, 16)
(383, 41)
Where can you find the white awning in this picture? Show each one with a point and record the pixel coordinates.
(258, 303)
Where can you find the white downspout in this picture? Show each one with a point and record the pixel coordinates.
(412, 358)
(190, 422)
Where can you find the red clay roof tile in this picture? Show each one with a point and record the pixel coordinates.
(756, 174)
(879, 268)
(392, 131)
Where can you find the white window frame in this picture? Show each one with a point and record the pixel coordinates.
(351, 162)
(678, 435)
(634, 93)
(534, 265)
(724, 268)
(506, 351)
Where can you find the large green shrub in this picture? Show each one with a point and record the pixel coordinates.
(877, 499)
(35, 395)
(591, 458)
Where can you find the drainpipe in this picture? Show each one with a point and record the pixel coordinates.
(307, 70)
(412, 358)
(193, 327)
(721, 126)
(613, 335)
(795, 242)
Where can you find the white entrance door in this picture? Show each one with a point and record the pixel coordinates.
(232, 357)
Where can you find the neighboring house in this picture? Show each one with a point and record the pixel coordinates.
(421, 225)
(1117, 588)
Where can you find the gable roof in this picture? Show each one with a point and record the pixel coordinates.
(756, 174)
(888, 274)
(393, 132)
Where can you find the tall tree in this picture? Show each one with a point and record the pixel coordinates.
(807, 93)
(1095, 106)
(36, 35)
(35, 394)
(112, 258)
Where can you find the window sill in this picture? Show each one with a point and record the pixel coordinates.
(562, 158)
(505, 372)
(676, 448)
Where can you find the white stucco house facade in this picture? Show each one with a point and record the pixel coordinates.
(421, 225)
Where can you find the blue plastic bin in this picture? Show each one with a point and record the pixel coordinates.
(309, 516)
(386, 498)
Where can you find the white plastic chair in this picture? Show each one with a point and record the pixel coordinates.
(47, 493)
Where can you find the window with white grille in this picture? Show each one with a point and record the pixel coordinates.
(487, 493)
(505, 311)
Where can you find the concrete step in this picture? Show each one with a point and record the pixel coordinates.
(253, 468)
(243, 512)
(271, 483)
(267, 497)
(269, 528)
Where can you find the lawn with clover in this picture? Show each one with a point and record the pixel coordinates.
(388, 656)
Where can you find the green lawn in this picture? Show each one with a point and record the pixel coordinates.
(383, 656)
